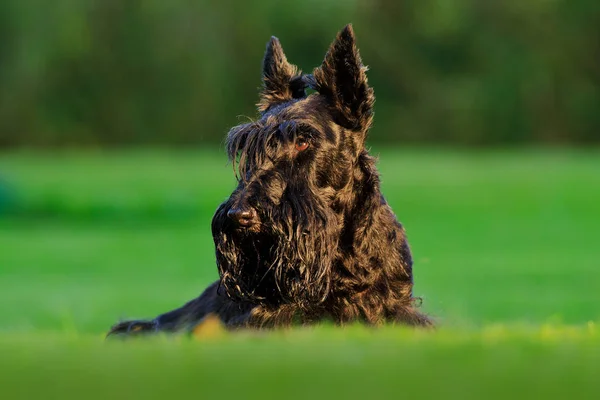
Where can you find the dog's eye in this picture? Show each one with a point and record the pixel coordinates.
(301, 145)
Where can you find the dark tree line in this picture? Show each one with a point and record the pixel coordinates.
(113, 72)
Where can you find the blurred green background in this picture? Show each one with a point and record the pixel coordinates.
(498, 236)
(469, 72)
(112, 117)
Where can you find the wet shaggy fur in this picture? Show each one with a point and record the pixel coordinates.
(306, 236)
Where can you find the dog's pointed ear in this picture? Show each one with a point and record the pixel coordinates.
(282, 81)
(342, 79)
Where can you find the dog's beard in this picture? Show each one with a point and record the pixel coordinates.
(288, 260)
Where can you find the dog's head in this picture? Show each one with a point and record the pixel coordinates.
(277, 236)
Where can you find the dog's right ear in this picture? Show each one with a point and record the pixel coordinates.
(282, 81)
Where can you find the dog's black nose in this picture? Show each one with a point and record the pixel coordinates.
(245, 217)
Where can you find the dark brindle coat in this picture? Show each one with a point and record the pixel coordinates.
(306, 235)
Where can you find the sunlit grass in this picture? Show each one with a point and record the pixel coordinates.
(506, 259)
(496, 361)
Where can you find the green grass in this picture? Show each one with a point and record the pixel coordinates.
(506, 257)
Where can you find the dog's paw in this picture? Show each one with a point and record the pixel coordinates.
(131, 328)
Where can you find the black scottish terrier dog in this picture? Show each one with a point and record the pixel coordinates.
(307, 235)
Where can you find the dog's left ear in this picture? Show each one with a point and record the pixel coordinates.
(282, 81)
(342, 79)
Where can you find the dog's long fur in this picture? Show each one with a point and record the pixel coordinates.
(318, 240)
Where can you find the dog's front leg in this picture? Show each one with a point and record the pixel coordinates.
(187, 316)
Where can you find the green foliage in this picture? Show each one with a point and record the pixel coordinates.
(551, 362)
(108, 72)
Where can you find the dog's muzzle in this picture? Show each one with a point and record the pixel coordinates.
(244, 217)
